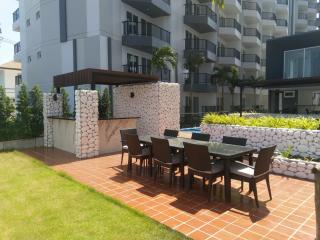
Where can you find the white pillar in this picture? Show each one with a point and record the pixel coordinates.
(87, 130)
(52, 107)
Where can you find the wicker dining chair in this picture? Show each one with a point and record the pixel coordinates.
(171, 133)
(234, 141)
(135, 150)
(201, 136)
(253, 175)
(201, 165)
(123, 133)
(164, 158)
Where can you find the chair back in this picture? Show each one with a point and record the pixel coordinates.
(161, 150)
(234, 141)
(200, 136)
(171, 133)
(133, 142)
(124, 132)
(264, 160)
(198, 156)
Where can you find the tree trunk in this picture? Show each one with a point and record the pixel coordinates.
(255, 97)
(316, 172)
(222, 98)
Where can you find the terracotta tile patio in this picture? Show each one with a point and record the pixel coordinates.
(290, 215)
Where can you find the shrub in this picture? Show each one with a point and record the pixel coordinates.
(104, 104)
(36, 111)
(272, 122)
(65, 103)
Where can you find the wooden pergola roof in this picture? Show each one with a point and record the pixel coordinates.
(101, 77)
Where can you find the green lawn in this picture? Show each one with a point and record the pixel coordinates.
(38, 203)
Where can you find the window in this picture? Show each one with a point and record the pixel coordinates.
(37, 15)
(28, 22)
(316, 98)
(289, 94)
(18, 80)
(29, 59)
(39, 54)
(311, 62)
(132, 63)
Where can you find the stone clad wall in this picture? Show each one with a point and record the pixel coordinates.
(51, 108)
(87, 130)
(304, 143)
(156, 105)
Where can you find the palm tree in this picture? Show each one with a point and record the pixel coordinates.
(221, 74)
(162, 58)
(193, 62)
(233, 81)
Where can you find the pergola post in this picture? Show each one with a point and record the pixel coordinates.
(316, 172)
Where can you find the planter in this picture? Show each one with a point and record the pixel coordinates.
(305, 143)
(294, 167)
(21, 144)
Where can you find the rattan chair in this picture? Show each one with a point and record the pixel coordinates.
(253, 175)
(200, 137)
(201, 165)
(135, 150)
(164, 158)
(123, 133)
(171, 133)
(234, 141)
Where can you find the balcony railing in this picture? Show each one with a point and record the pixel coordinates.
(247, 5)
(200, 10)
(312, 5)
(251, 32)
(283, 2)
(228, 52)
(250, 58)
(17, 48)
(200, 45)
(302, 16)
(163, 74)
(312, 22)
(265, 38)
(146, 29)
(282, 22)
(16, 15)
(199, 82)
(268, 16)
(230, 23)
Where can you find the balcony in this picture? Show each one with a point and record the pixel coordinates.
(200, 17)
(302, 4)
(302, 20)
(15, 20)
(312, 7)
(232, 6)
(251, 62)
(17, 51)
(281, 27)
(143, 36)
(251, 37)
(229, 56)
(268, 20)
(201, 47)
(251, 11)
(199, 82)
(163, 74)
(312, 25)
(153, 8)
(229, 29)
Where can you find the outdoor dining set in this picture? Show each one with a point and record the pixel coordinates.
(201, 157)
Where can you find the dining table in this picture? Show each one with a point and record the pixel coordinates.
(225, 152)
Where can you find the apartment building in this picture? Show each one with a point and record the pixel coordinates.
(59, 36)
(10, 76)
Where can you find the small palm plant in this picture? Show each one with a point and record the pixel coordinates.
(162, 58)
(222, 74)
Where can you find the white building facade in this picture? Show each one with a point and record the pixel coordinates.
(10, 76)
(60, 36)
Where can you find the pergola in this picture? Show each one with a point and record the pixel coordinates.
(95, 77)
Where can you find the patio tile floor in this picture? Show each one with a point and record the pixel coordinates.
(290, 215)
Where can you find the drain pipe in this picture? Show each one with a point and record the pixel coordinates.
(316, 172)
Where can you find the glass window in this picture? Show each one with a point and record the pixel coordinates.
(293, 64)
(312, 60)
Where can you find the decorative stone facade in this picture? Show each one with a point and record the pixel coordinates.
(294, 167)
(305, 143)
(52, 107)
(157, 106)
(87, 130)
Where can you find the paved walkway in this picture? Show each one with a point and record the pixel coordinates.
(290, 215)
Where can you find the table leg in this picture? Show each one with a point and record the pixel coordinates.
(251, 159)
(227, 180)
(182, 171)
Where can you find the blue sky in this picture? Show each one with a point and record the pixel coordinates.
(7, 7)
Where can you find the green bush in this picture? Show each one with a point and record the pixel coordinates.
(267, 121)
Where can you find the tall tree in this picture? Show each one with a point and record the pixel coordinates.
(163, 58)
(23, 111)
(36, 110)
(65, 103)
(221, 74)
(104, 104)
(233, 81)
(6, 107)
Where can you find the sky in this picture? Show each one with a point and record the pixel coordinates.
(7, 7)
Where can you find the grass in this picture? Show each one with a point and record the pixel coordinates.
(39, 203)
(267, 121)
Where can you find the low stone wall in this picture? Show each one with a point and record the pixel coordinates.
(305, 143)
(21, 144)
(294, 167)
